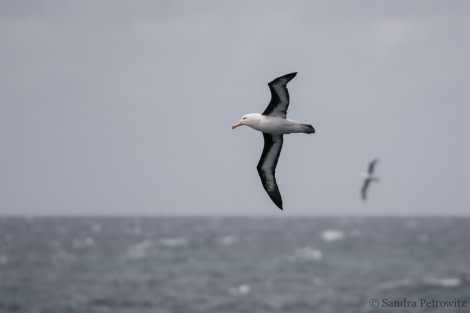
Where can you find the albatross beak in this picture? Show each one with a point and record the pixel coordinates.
(237, 124)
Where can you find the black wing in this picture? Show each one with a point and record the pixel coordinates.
(371, 166)
(267, 166)
(279, 96)
(364, 189)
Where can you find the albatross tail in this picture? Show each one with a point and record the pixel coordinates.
(307, 129)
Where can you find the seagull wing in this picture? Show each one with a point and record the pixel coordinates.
(279, 96)
(364, 189)
(267, 166)
(371, 166)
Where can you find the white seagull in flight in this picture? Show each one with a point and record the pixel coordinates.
(368, 177)
(273, 124)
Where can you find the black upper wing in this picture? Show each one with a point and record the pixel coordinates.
(279, 96)
(267, 166)
(371, 166)
(364, 189)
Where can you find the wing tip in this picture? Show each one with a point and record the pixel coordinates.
(279, 205)
(287, 78)
(276, 198)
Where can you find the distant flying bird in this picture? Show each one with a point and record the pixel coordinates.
(273, 124)
(368, 177)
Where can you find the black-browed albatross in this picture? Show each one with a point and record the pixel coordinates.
(273, 124)
(368, 177)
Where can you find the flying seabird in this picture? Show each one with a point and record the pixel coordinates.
(368, 177)
(273, 124)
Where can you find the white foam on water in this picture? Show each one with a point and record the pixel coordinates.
(429, 281)
(139, 250)
(396, 284)
(448, 282)
(227, 240)
(308, 254)
(240, 290)
(332, 235)
(82, 243)
(174, 242)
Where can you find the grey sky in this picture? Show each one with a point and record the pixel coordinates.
(126, 108)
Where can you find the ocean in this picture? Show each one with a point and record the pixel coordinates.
(234, 264)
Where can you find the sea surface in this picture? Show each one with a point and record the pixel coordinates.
(256, 265)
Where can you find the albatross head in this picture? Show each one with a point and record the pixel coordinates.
(251, 120)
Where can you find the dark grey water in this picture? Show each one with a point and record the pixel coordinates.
(185, 265)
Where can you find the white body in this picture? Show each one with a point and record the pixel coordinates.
(368, 176)
(270, 124)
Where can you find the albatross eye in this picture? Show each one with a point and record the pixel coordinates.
(244, 118)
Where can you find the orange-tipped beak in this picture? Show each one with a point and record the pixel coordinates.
(237, 124)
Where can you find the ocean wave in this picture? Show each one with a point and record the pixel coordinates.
(83, 242)
(447, 282)
(240, 290)
(308, 254)
(393, 284)
(227, 240)
(450, 282)
(139, 251)
(332, 235)
(174, 242)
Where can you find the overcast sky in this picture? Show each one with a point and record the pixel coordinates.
(126, 108)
